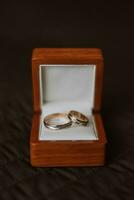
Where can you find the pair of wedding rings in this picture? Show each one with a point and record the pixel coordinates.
(58, 121)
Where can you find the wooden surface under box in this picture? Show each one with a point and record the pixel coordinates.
(67, 153)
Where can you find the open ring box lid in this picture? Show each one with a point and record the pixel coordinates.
(67, 79)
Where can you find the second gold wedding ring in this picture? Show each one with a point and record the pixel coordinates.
(78, 117)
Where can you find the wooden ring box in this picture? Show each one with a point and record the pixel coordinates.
(67, 79)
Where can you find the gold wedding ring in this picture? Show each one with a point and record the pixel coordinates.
(78, 117)
(57, 121)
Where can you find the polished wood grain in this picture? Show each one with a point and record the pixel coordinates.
(67, 56)
(67, 153)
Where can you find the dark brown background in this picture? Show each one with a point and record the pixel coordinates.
(26, 25)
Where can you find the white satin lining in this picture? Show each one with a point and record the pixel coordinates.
(64, 88)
